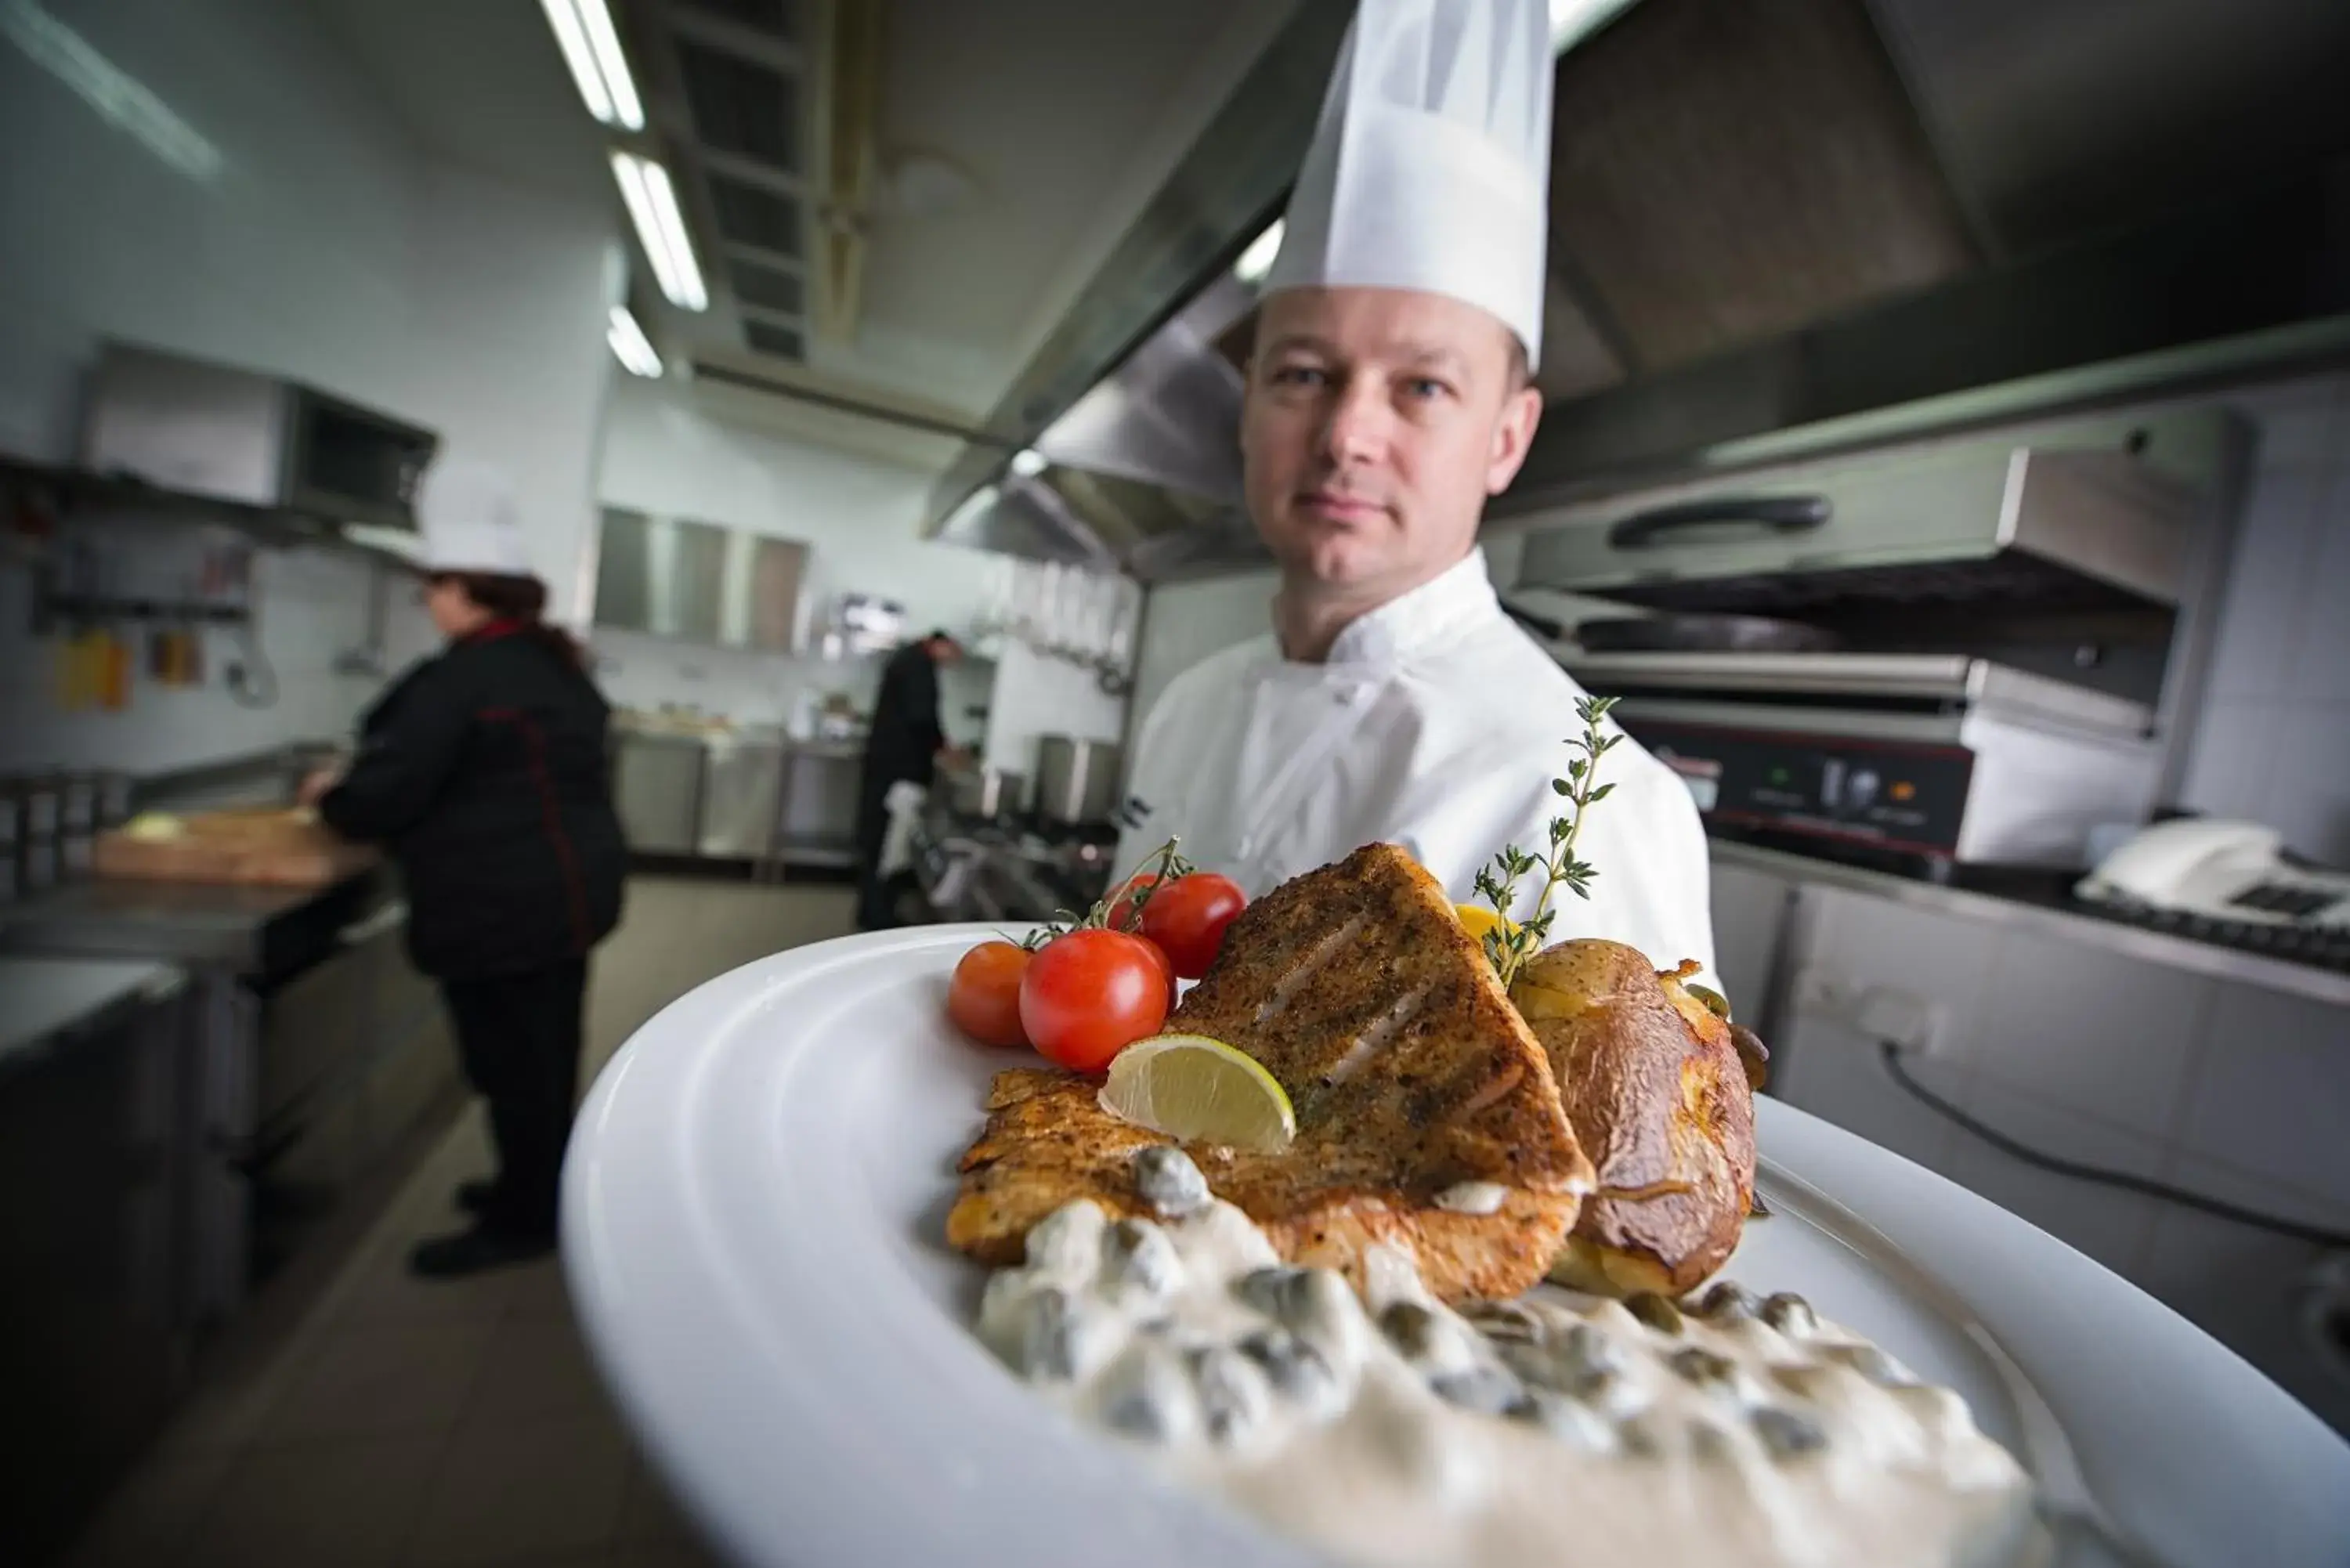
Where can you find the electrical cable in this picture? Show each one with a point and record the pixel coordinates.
(2315, 1235)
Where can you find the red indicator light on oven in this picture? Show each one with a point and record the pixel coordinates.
(1904, 790)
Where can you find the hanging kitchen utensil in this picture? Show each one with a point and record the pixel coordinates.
(1695, 633)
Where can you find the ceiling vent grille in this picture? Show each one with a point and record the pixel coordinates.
(749, 215)
(770, 339)
(768, 287)
(779, 18)
(741, 106)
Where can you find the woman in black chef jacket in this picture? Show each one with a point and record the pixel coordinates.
(482, 772)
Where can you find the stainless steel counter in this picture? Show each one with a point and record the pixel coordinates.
(750, 795)
(42, 998)
(2183, 954)
(248, 930)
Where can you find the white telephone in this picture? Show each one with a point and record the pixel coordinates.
(2222, 870)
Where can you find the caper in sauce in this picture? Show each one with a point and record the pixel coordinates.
(1658, 1311)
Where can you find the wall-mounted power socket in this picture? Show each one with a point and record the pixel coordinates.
(1918, 1025)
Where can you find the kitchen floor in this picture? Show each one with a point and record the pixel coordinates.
(401, 1422)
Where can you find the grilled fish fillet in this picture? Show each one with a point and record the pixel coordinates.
(1410, 1073)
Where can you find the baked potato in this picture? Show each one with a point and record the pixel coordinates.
(1662, 1098)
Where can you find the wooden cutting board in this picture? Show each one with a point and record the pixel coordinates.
(275, 848)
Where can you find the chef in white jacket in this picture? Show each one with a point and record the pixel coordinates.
(1388, 396)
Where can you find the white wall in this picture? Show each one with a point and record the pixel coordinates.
(304, 235)
(2214, 1086)
(1183, 623)
(1035, 696)
(860, 518)
(2273, 742)
(313, 606)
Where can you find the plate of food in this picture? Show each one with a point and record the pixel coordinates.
(1397, 1236)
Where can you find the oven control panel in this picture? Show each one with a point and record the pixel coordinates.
(1909, 798)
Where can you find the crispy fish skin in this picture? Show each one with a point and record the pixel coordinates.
(1658, 1092)
(1356, 989)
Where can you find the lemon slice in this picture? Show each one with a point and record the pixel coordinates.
(1477, 919)
(1198, 1090)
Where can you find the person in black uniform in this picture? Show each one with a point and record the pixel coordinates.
(483, 773)
(903, 744)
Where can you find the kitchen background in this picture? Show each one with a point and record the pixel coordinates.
(406, 206)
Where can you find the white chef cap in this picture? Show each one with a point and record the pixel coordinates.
(1429, 168)
(471, 520)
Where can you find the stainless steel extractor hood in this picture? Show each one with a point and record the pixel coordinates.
(1800, 228)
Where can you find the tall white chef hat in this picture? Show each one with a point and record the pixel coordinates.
(1429, 168)
(471, 520)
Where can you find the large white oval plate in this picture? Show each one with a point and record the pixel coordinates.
(753, 1202)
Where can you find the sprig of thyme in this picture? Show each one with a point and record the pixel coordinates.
(1169, 865)
(1509, 944)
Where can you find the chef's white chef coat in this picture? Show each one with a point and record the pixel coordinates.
(1436, 724)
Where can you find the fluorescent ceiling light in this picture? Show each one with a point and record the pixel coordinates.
(1572, 21)
(660, 229)
(591, 47)
(629, 344)
(1257, 260)
(1028, 462)
(121, 99)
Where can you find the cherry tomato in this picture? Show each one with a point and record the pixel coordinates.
(1089, 994)
(1128, 900)
(1187, 918)
(1167, 967)
(984, 998)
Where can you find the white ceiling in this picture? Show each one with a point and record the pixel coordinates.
(1068, 114)
(479, 82)
(1048, 103)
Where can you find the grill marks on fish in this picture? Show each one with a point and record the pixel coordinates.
(1376, 1038)
(1316, 960)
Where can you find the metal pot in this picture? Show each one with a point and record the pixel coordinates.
(1077, 781)
(987, 794)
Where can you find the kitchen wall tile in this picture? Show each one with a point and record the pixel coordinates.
(314, 609)
(1750, 912)
(1854, 942)
(2309, 802)
(1851, 944)
(2247, 1288)
(1826, 1068)
(2272, 1095)
(2231, 762)
(2090, 1031)
(2110, 1224)
(2299, 422)
(2320, 669)
(2267, 576)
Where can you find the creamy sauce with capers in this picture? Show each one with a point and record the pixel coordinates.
(1561, 1430)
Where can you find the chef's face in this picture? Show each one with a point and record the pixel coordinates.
(1375, 423)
